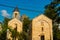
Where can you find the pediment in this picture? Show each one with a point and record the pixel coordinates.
(42, 17)
(14, 21)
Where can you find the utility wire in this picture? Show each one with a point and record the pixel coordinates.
(20, 8)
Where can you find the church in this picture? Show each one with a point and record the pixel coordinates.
(15, 23)
(41, 27)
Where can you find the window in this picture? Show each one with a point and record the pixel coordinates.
(15, 27)
(42, 29)
(15, 14)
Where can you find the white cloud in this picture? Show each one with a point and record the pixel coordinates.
(4, 13)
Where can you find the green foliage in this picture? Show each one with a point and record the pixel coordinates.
(26, 23)
(52, 11)
(4, 29)
(56, 33)
(26, 26)
(23, 36)
(14, 33)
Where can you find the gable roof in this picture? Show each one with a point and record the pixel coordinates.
(14, 20)
(42, 16)
(16, 9)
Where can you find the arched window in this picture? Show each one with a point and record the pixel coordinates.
(42, 29)
(15, 15)
(15, 27)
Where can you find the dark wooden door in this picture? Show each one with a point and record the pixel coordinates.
(42, 37)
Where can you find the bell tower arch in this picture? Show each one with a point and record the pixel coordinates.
(16, 13)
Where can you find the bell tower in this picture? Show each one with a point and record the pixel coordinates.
(16, 13)
(14, 24)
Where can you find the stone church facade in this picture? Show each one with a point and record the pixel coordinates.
(41, 28)
(15, 23)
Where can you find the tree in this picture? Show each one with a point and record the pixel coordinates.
(26, 23)
(21, 36)
(52, 11)
(26, 26)
(4, 29)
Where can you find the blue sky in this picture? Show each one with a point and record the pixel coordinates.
(27, 4)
